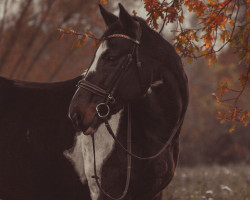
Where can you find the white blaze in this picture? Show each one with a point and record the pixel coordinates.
(82, 155)
(101, 49)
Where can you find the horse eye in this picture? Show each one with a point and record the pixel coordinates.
(110, 58)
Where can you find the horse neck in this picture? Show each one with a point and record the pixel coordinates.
(157, 114)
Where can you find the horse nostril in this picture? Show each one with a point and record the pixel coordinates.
(77, 116)
(77, 120)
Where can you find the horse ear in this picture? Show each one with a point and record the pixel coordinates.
(125, 18)
(108, 17)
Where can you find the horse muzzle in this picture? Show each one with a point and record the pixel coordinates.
(84, 120)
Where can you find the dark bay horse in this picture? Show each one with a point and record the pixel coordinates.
(135, 87)
(34, 133)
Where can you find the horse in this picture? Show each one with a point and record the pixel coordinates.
(34, 133)
(128, 110)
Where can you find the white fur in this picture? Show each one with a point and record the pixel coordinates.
(149, 90)
(102, 48)
(84, 72)
(82, 155)
(76, 157)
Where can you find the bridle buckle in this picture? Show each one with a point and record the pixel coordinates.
(111, 99)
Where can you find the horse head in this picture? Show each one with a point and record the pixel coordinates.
(126, 63)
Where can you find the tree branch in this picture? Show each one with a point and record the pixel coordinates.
(60, 66)
(32, 40)
(212, 51)
(243, 87)
(4, 16)
(44, 45)
(14, 35)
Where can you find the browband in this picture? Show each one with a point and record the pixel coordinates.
(124, 36)
(138, 35)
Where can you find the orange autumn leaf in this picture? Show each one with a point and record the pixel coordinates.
(232, 129)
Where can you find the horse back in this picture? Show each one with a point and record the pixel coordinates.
(34, 132)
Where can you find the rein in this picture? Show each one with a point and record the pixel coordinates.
(128, 162)
(130, 152)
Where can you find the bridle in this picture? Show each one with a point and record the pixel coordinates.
(108, 95)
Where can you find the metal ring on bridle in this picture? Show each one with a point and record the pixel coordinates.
(111, 99)
(99, 112)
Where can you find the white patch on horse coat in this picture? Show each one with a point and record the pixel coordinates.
(102, 48)
(82, 155)
(149, 90)
(154, 84)
(157, 83)
(76, 157)
(84, 72)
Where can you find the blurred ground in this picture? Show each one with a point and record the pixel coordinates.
(210, 183)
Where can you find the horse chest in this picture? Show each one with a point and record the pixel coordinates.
(82, 154)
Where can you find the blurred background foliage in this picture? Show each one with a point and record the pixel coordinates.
(30, 51)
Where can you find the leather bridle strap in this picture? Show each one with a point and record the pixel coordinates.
(137, 43)
(137, 40)
(108, 95)
(128, 162)
(92, 88)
